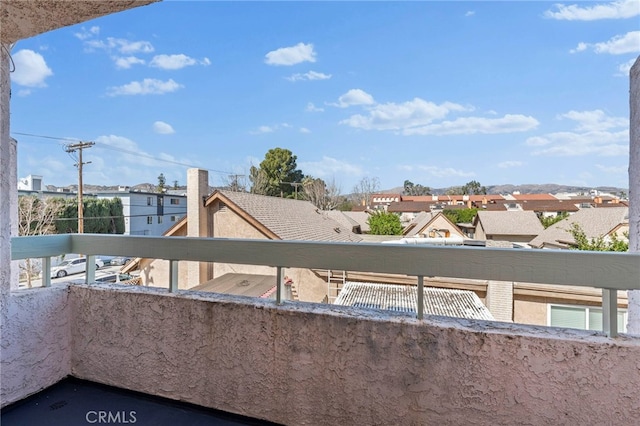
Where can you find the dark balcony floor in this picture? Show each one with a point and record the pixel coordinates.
(73, 402)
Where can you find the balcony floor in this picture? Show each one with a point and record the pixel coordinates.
(77, 402)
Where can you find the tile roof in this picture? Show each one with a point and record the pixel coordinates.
(289, 219)
(533, 197)
(549, 206)
(509, 222)
(594, 223)
(404, 298)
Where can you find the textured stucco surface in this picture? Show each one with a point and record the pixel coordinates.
(325, 365)
(36, 342)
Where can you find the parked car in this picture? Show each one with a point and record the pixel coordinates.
(113, 278)
(120, 260)
(73, 266)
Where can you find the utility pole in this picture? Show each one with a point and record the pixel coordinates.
(295, 185)
(72, 148)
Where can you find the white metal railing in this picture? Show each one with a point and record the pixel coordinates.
(609, 271)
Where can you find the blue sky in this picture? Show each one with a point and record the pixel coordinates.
(439, 93)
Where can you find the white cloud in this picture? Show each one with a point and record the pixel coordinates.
(510, 164)
(174, 62)
(31, 69)
(593, 133)
(510, 123)
(270, 129)
(87, 33)
(620, 9)
(392, 116)
(312, 108)
(470, 13)
(443, 172)
(614, 170)
(311, 75)
(625, 68)
(571, 144)
(594, 120)
(304, 130)
(330, 166)
(618, 45)
(354, 97)
(163, 128)
(125, 62)
(148, 86)
(121, 45)
(291, 55)
(205, 61)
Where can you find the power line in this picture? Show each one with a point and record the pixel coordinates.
(103, 145)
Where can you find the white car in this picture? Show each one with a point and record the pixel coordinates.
(73, 266)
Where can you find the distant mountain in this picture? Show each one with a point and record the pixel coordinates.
(547, 188)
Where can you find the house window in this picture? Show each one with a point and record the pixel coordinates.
(149, 201)
(174, 201)
(582, 317)
(159, 219)
(173, 218)
(149, 220)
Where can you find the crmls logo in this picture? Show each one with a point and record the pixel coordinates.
(117, 417)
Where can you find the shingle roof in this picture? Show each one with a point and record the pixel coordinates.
(362, 218)
(534, 197)
(410, 206)
(290, 219)
(594, 223)
(509, 223)
(548, 206)
(403, 298)
(418, 223)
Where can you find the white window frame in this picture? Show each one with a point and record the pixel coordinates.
(586, 313)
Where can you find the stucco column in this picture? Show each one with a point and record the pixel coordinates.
(197, 189)
(5, 181)
(633, 326)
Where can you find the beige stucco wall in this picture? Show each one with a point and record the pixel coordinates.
(36, 342)
(440, 222)
(325, 365)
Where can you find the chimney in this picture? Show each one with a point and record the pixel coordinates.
(197, 191)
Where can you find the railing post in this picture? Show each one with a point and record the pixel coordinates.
(420, 297)
(46, 272)
(173, 276)
(279, 285)
(90, 269)
(610, 312)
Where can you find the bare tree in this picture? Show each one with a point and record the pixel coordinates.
(36, 216)
(259, 181)
(320, 194)
(363, 191)
(236, 183)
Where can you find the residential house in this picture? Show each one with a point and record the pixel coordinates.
(595, 222)
(513, 226)
(429, 225)
(228, 214)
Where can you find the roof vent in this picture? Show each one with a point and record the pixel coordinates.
(338, 230)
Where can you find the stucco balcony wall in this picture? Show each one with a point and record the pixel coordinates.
(36, 341)
(325, 365)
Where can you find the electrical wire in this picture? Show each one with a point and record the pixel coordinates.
(106, 146)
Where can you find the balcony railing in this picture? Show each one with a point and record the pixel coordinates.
(610, 272)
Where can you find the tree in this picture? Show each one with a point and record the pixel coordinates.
(276, 174)
(322, 195)
(412, 189)
(161, 183)
(460, 215)
(258, 180)
(384, 223)
(547, 221)
(363, 191)
(601, 243)
(175, 184)
(101, 216)
(473, 188)
(36, 216)
(235, 183)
